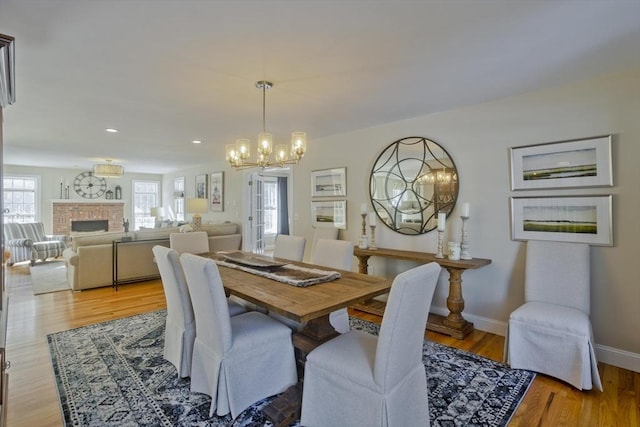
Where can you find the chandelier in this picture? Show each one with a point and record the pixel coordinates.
(107, 170)
(238, 154)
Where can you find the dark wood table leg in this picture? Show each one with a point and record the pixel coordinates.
(286, 408)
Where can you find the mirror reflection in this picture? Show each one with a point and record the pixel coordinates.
(411, 181)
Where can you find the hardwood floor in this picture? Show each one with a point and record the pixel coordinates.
(33, 398)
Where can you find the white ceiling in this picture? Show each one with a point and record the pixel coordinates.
(167, 72)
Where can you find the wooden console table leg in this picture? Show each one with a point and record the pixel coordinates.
(454, 324)
(363, 266)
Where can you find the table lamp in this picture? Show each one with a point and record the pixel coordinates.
(196, 207)
(157, 212)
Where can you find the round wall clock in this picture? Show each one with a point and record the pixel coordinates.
(89, 186)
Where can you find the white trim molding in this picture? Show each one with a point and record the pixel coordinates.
(609, 355)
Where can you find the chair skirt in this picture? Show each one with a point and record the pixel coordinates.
(178, 346)
(348, 374)
(553, 340)
(259, 364)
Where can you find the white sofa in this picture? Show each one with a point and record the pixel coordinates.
(90, 257)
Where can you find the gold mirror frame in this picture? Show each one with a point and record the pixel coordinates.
(412, 180)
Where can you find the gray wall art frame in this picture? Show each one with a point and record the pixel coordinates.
(329, 213)
(563, 164)
(216, 192)
(582, 219)
(329, 182)
(201, 186)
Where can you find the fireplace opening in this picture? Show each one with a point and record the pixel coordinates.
(90, 225)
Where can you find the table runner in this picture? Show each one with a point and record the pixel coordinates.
(289, 274)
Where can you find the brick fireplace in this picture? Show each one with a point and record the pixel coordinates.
(67, 211)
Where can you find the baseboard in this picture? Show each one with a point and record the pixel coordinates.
(609, 355)
(616, 357)
(481, 323)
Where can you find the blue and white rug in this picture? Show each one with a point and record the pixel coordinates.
(113, 374)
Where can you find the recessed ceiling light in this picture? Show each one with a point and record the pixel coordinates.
(195, 141)
(112, 130)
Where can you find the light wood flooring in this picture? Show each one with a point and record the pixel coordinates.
(33, 399)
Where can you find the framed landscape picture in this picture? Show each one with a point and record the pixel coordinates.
(583, 219)
(565, 164)
(329, 182)
(201, 186)
(329, 214)
(216, 189)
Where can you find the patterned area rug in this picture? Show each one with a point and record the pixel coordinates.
(113, 374)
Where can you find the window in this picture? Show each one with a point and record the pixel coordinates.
(178, 197)
(20, 198)
(270, 211)
(146, 194)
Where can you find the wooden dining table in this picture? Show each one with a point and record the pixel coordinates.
(308, 305)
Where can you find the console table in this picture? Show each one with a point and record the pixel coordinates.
(115, 281)
(454, 324)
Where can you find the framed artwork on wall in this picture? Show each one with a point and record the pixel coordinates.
(564, 164)
(216, 189)
(583, 219)
(329, 182)
(201, 186)
(329, 214)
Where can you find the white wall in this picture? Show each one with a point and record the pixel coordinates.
(478, 138)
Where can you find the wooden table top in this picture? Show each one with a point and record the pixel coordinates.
(423, 257)
(304, 304)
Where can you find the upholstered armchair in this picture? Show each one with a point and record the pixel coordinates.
(28, 242)
(551, 332)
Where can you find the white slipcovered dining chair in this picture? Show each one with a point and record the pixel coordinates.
(358, 379)
(236, 360)
(180, 327)
(335, 254)
(551, 332)
(322, 233)
(289, 247)
(195, 242)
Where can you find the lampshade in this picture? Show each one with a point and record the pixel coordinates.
(107, 170)
(196, 206)
(157, 212)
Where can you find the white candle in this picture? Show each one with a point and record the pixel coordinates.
(372, 218)
(465, 210)
(442, 218)
(364, 208)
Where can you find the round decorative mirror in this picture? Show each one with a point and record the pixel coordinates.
(413, 180)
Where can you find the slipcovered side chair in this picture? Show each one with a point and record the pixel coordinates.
(322, 233)
(236, 360)
(551, 333)
(196, 242)
(358, 379)
(180, 329)
(289, 247)
(336, 254)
